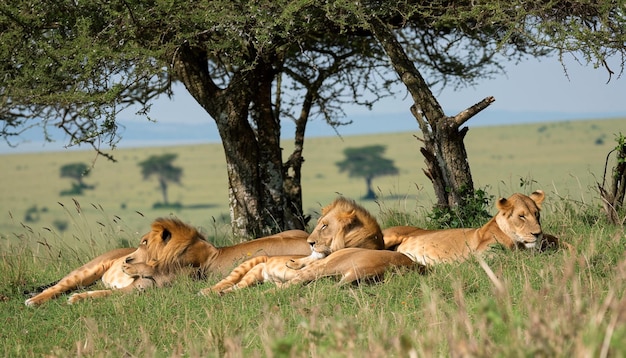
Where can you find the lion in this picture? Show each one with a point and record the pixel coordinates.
(173, 244)
(343, 224)
(516, 225)
(143, 271)
(351, 264)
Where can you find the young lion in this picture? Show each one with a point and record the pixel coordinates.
(343, 224)
(172, 244)
(352, 264)
(517, 224)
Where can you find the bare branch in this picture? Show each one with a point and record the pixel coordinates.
(470, 112)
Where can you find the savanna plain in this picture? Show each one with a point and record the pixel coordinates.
(563, 302)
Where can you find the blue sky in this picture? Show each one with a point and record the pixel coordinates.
(533, 91)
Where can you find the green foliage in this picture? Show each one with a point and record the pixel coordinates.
(77, 172)
(474, 213)
(368, 163)
(161, 166)
(86, 62)
(620, 148)
(60, 225)
(32, 214)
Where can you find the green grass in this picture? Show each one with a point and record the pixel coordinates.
(558, 303)
(562, 158)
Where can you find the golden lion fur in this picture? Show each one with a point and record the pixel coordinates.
(351, 264)
(169, 246)
(516, 225)
(342, 224)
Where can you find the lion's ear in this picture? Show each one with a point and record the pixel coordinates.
(538, 197)
(349, 216)
(166, 235)
(503, 204)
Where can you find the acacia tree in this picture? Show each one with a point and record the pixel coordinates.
(77, 65)
(162, 168)
(77, 172)
(368, 163)
(467, 40)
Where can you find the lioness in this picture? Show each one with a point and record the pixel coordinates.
(517, 224)
(352, 264)
(343, 224)
(172, 244)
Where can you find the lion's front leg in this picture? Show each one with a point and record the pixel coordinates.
(297, 264)
(82, 276)
(77, 297)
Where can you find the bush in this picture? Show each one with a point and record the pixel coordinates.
(474, 213)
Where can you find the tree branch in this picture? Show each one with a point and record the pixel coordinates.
(470, 112)
(409, 75)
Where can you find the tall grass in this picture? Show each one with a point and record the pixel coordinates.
(507, 304)
(557, 303)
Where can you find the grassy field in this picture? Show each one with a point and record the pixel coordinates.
(561, 303)
(562, 158)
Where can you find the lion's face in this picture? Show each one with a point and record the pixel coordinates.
(140, 255)
(344, 224)
(519, 218)
(169, 243)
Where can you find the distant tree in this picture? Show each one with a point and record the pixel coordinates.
(76, 65)
(161, 166)
(367, 162)
(77, 172)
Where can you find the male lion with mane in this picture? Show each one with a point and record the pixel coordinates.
(516, 225)
(170, 246)
(343, 224)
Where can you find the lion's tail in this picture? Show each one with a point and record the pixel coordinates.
(238, 273)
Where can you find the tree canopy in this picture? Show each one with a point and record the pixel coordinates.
(251, 64)
(163, 169)
(77, 172)
(367, 163)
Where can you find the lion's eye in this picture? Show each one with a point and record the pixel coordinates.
(144, 242)
(522, 217)
(324, 226)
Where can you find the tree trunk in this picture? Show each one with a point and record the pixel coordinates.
(229, 109)
(370, 195)
(444, 150)
(257, 199)
(292, 169)
(270, 156)
(163, 186)
(292, 174)
(613, 197)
